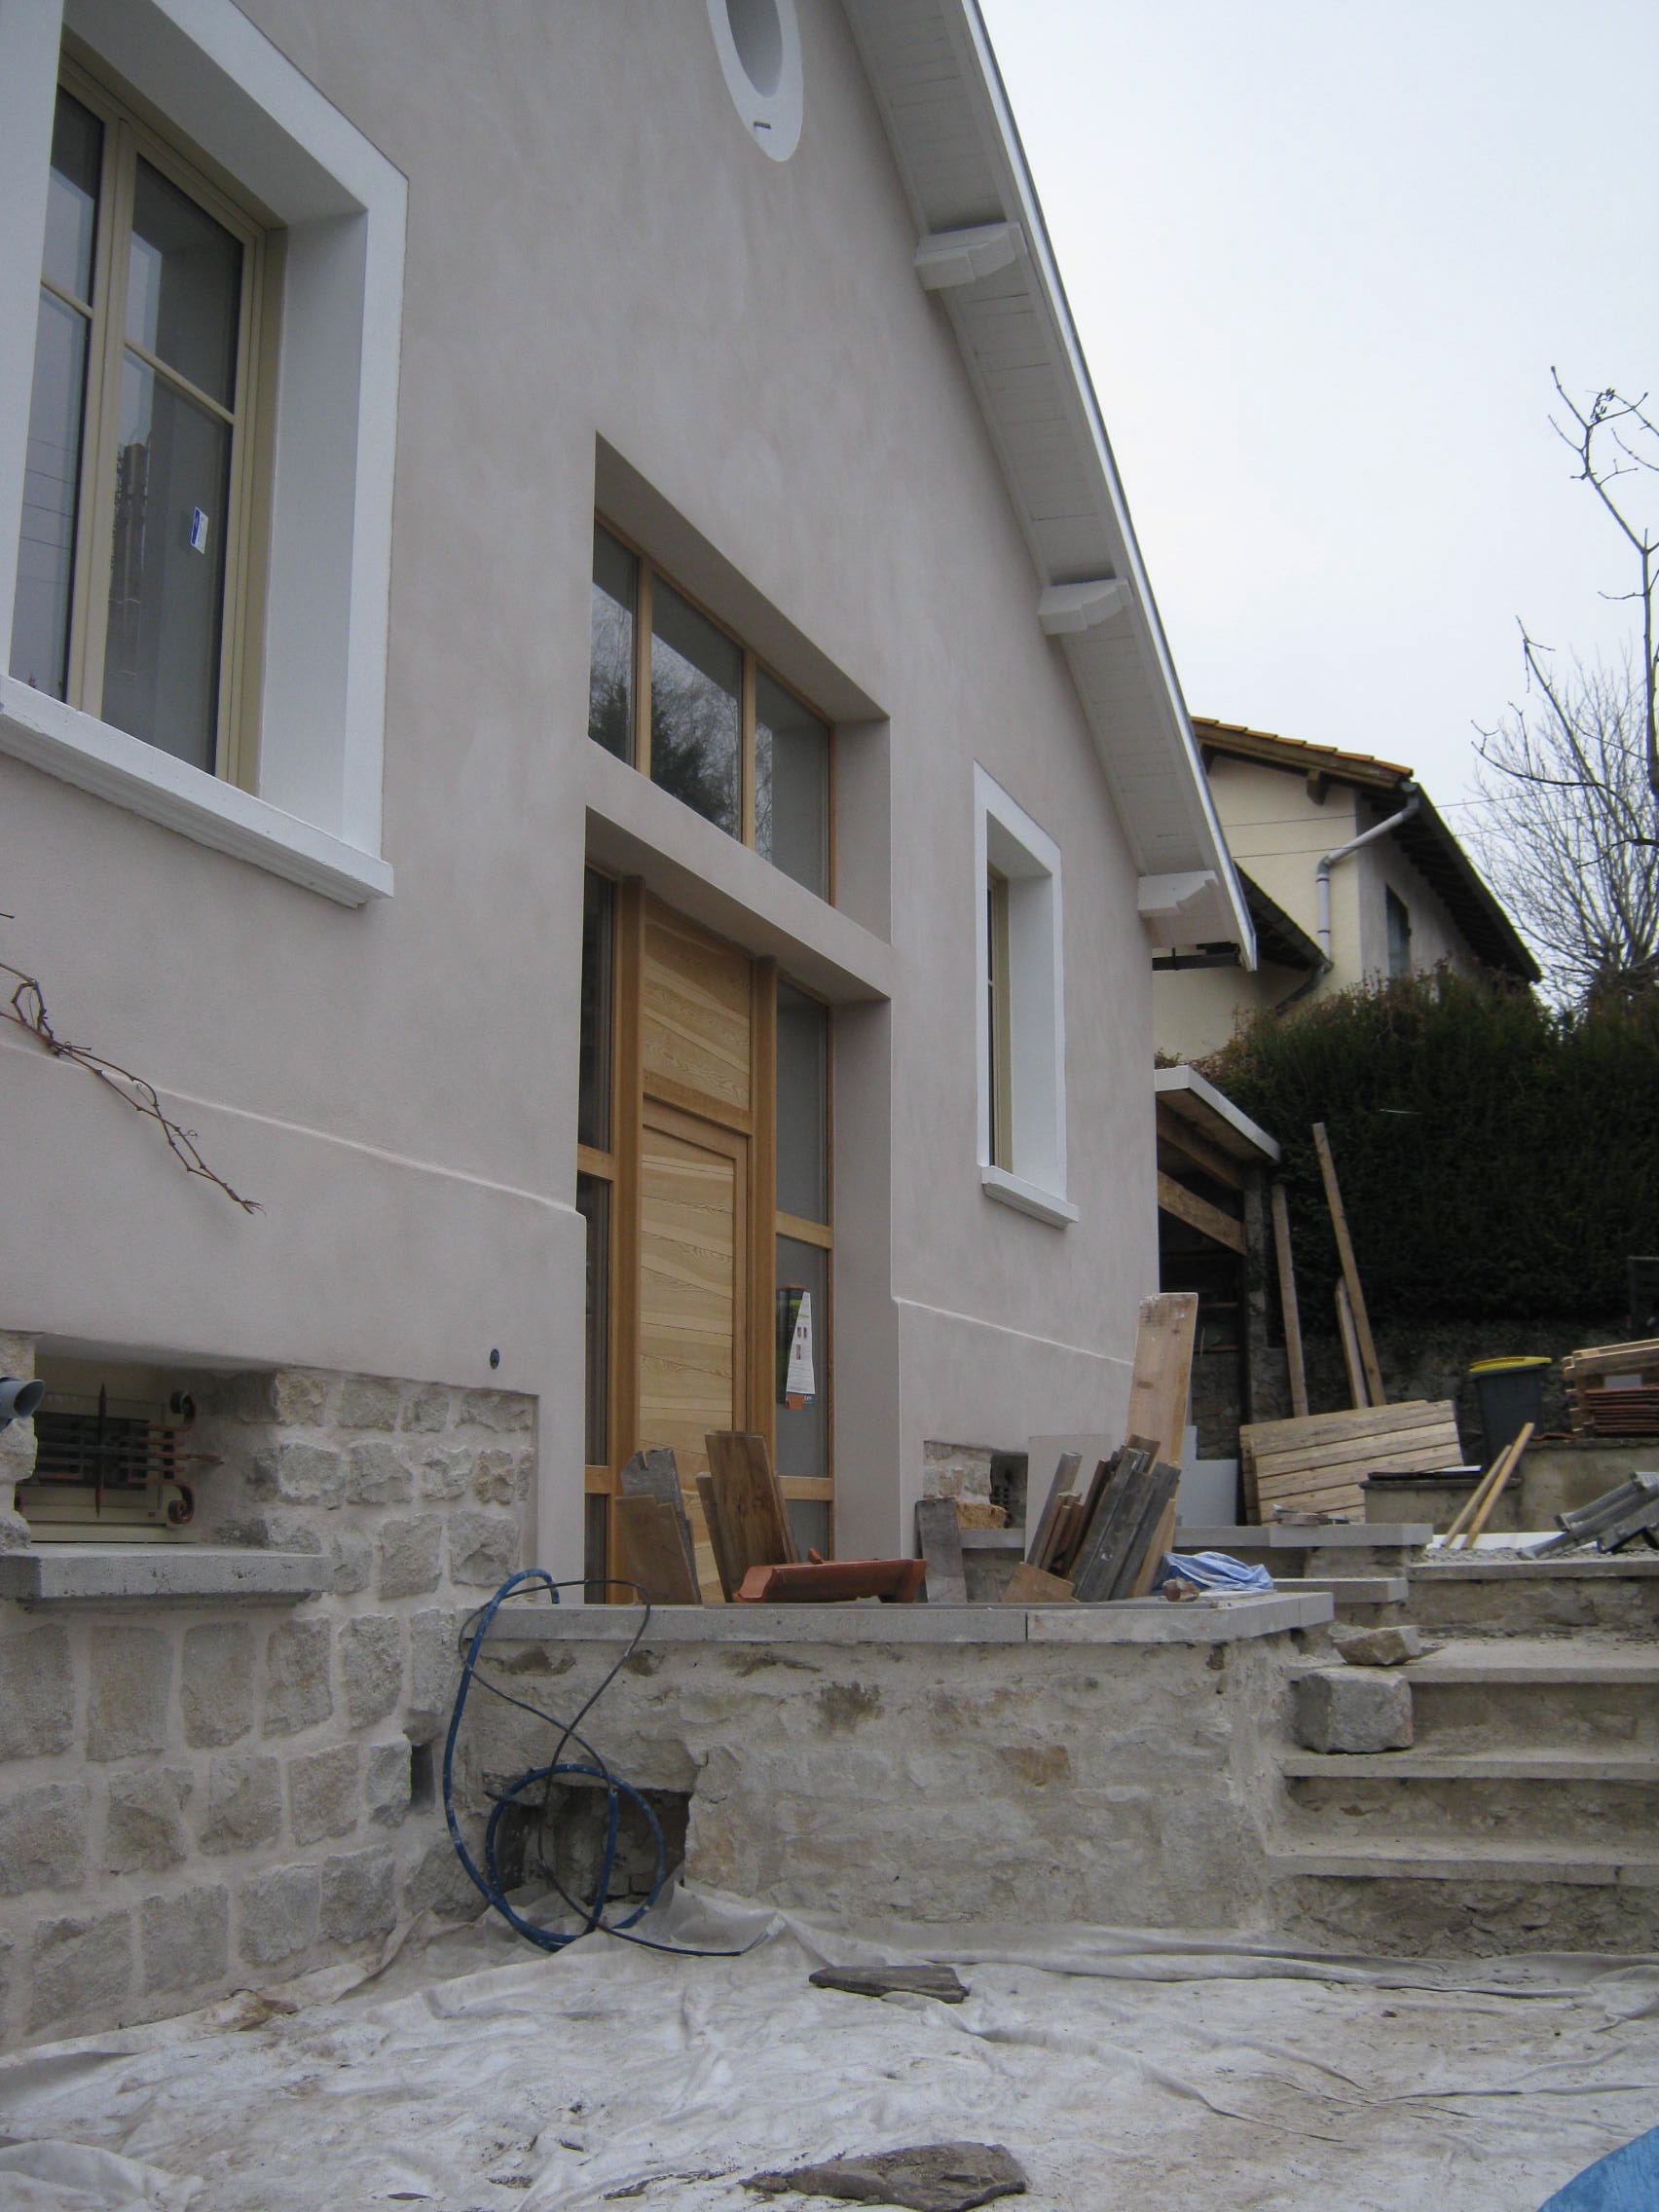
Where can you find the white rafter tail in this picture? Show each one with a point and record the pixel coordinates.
(1189, 908)
(948, 258)
(1065, 609)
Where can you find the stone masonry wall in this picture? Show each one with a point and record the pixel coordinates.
(196, 1799)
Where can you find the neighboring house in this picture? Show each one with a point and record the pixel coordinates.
(572, 617)
(1407, 899)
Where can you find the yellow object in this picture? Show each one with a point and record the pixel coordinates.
(1508, 1366)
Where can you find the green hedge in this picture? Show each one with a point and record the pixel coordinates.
(1498, 1160)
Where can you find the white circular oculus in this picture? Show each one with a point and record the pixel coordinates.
(758, 42)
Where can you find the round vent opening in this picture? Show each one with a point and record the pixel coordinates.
(758, 33)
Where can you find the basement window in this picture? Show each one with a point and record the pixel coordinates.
(113, 1459)
(1020, 1009)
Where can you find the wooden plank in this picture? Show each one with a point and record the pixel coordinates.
(1198, 1213)
(1510, 1462)
(1158, 1390)
(1275, 1488)
(1101, 1553)
(1063, 1537)
(650, 1551)
(830, 1581)
(1198, 1151)
(1028, 1585)
(1349, 1336)
(750, 1502)
(938, 1538)
(1350, 1272)
(1065, 1474)
(1426, 1449)
(653, 1474)
(1612, 1360)
(1147, 1543)
(1349, 1499)
(1287, 1300)
(718, 1545)
(1323, 1428)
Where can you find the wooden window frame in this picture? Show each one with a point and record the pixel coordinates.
(646, 576)
(132, 132)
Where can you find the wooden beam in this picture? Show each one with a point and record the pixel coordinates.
(1287, 1302)
(1198, 1213)
(1350, 1272)
(1208, 1159)
(1351, 1346)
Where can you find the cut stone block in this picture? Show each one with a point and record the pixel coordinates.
(80, 1966)
(296, 1677)
(245, 1803)
(43, 1838)
(322, 1792)
(279, 1914)
(145, 1829)
(371, 1666)
(185, 1939)
(386, 1785)
(216, 1683)
(377, 1475)
(37, 1694)
(359, 1895)
(411, 1556)
(1339, 1710)
(483, 1548)
(131, 1680)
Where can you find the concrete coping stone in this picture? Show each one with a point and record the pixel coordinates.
(1133, 1620)
(186, 1575)
(1355, 1589)
(1273, 1536)
(1473, 1566)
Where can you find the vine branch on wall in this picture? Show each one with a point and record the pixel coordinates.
(27, 1010)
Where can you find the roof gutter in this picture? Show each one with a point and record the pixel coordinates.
(1322, 873)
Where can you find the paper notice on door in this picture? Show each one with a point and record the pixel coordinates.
(800, 1385)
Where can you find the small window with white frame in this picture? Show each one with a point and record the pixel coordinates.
(1021, 1006)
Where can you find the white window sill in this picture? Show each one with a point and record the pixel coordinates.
(1026, 1198)
(190, 1574)
(96, 758)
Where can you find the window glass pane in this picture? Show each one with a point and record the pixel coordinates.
(809, 1518)
(51, 474)
(792, 785)
(696, 674)
(593, 1204)
(611, 674)
(166, 580)
(72, 198)
(183, 287)
(803, 1431)
(594, 1550)
(804, 1105)
(593, 1103)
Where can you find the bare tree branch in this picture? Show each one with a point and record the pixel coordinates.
(27, 1010)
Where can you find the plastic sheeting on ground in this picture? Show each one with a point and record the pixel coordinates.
(1120, 2068)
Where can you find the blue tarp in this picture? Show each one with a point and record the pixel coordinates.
(1213, 1571)
(1624, 2180)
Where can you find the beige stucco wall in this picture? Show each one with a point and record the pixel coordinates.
(1277, 832)
(597, 252)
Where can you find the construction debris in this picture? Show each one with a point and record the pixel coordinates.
(1379, 1646)
(886, 1981)
(1614, 1388)
(832, 1581)
(1334, 1711)
(931, 2177)
(1610, 1521)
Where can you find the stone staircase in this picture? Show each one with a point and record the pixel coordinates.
(1524, 1813)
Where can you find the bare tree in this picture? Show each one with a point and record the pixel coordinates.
(1566, 834)
(1571, 778)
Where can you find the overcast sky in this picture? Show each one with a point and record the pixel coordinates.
(1322, 259)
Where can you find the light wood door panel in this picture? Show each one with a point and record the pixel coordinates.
(693, 1304)
(694, 1044)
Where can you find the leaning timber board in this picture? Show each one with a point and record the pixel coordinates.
(1323, 1458)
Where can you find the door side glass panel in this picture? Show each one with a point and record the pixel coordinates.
(593, 1099)
(593, 1204)
(804, 1105)
(803, 1431)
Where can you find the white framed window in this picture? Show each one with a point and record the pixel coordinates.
(1020, 1033)
(276, 753)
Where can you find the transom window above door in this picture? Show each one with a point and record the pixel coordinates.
(674, 694)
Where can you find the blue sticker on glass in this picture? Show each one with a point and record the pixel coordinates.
(198, 530)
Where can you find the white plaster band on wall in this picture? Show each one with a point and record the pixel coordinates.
(758, 42)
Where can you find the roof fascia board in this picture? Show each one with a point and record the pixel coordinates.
(1012, 198)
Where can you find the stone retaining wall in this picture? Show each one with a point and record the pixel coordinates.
(949, 1774)
(197, 1798)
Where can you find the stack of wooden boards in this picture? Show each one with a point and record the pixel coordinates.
(741, 1499)
(1097, 1542)
(1319, 1462)
(1614, 1388)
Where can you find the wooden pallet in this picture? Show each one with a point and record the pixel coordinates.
(1614, 1388)
(1319, 1462)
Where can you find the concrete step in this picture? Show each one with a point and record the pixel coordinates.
(1483, 1596)
(1464, 1809)
(1524, 1694)
(1411, 1860)
(1476, 1766)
